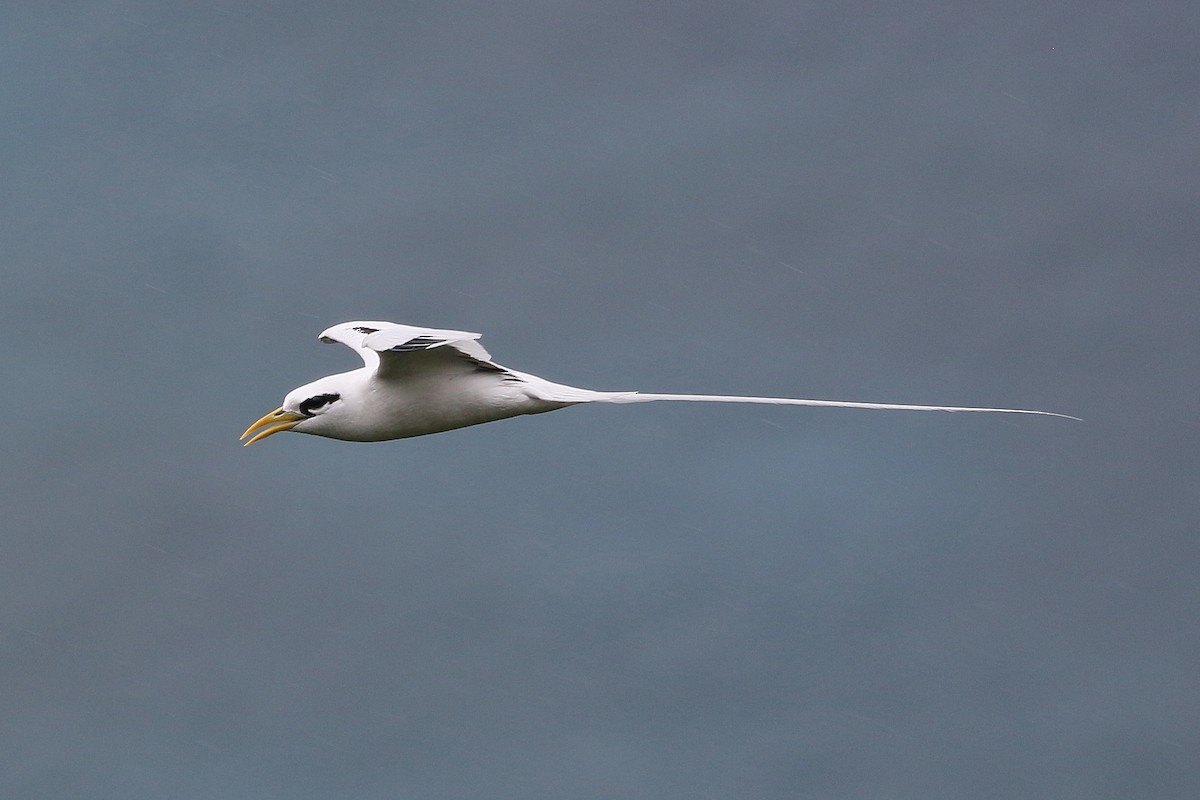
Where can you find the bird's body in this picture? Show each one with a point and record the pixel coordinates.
(443, 392)
(417, 381)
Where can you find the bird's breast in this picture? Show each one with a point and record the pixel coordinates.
(413, 407)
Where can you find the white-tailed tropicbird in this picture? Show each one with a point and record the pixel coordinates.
(423, 380)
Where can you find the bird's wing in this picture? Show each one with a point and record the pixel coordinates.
(382, 344)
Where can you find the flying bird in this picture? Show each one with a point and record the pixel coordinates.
(422, 380)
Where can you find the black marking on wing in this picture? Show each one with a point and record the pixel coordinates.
(365, 329)
(419, 343)
(505, 375)
(495, 369)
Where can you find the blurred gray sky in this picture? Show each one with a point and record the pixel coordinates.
(913, 202)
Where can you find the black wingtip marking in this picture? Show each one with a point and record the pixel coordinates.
(419, 343)
(485, 366)
(365, 329)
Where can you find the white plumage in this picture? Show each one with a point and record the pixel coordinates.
(425, 380)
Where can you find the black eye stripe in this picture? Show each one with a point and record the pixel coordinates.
(310, 405)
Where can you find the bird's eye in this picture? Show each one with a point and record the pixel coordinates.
(312, 405)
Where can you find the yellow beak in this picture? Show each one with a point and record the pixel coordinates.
(275, 422)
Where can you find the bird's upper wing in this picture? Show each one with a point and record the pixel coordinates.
(379, 343)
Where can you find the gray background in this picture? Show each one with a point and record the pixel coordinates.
(912, 202)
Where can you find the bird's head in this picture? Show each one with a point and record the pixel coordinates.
(317, 408)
